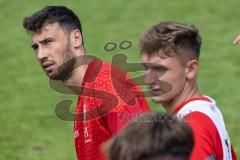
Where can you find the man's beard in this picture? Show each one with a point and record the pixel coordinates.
(64, 71)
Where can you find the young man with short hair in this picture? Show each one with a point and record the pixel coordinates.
(105, 92)
(170, 54)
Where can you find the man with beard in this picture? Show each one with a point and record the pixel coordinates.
(106, 94)
(170, 53)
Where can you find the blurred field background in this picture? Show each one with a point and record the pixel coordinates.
(29, 129)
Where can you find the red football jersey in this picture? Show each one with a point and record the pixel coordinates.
(109, 99)
(210, 135)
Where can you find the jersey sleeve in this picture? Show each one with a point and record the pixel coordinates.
(206, 137)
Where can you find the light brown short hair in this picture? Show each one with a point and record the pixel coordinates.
(173, 38)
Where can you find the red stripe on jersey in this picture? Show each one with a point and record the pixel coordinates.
(234, 157)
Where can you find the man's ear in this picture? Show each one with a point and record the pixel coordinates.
(192, 69)
(76, 38)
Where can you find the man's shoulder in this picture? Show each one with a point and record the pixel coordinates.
(208, 127)
(108, 75)
(103, 71)
(200, 121)
(202, 114)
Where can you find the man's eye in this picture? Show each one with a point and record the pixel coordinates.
(48, 42)
(160, 69)
(145, 67)
(35, 47)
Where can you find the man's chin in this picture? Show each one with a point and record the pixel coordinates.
(53, 75)
(159, 99)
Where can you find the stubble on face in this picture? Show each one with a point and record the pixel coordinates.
(64, 70)
(53, 51)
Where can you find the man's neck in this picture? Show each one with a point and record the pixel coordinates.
(187, 93)
(75, 80)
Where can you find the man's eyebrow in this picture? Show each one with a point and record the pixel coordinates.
(34, 45)
(46, 39)
(153, 65)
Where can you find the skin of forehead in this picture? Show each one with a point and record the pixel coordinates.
(53, 29)
(156, 59)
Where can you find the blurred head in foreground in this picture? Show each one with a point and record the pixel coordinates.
(152, 136)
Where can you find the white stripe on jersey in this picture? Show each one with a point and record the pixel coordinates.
(211, 110)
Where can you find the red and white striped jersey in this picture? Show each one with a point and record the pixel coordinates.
(210, 135)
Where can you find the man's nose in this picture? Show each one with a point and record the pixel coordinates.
(149, 78)
(41, 54)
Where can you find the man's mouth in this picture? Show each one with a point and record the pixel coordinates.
(48, 66)
(155, 92)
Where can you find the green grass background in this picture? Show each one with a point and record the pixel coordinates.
(29, 129)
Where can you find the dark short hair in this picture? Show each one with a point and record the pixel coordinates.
(172, 37)
(152, 136)
(65, 17)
